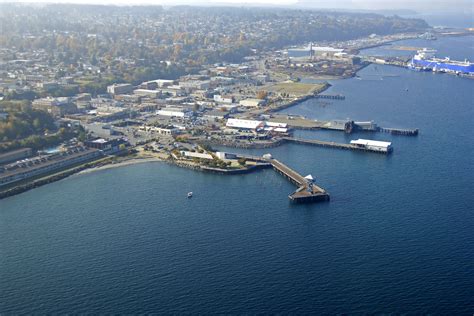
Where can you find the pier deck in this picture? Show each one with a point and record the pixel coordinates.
(321, 143)
(399, 131)
(307, 191)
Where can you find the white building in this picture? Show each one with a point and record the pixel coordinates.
(245, 124)
(222, 99)
(123, 88)
(190, 154)
(373, 145)
(175, 112)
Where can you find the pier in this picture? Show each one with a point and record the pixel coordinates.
(300, 122)
(307, 191)
(322, 143)
(398, 131)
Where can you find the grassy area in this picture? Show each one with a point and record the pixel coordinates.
(295, 89)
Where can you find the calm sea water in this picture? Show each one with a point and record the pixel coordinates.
(396, 237)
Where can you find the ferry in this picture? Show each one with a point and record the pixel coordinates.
(425, 60)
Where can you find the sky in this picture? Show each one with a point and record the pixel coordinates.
(466, 6)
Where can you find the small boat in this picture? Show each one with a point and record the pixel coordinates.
(190, 195)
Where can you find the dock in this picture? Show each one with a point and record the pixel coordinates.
(307, 191)
(322, 143)
(399, 131)
(299, 122)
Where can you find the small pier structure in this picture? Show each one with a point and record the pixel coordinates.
(307, 191)
(399, 131)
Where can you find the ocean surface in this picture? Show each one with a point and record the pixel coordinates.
(396, 237)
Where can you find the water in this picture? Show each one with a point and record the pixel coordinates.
(396, 236)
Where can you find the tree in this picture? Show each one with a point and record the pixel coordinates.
(262, 94)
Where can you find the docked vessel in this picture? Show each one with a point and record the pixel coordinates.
(425, 60)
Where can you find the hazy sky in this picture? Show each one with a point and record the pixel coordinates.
(467, 6)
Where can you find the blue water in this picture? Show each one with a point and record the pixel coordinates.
(457, 48)
(396, 237)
